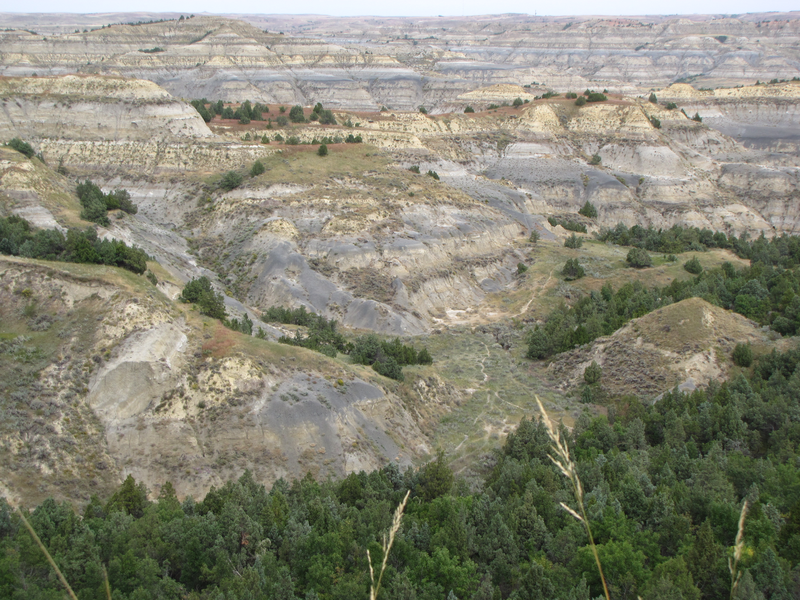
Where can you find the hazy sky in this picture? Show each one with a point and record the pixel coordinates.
(408, 7)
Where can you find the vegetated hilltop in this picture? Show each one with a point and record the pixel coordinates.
(687, 344)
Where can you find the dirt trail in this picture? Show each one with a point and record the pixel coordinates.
(534, 295)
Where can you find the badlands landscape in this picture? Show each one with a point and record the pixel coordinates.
(418, 180)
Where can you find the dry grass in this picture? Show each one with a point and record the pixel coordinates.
(53, 564)
(49, 558)
(733, 562)
(564, 462)
(375, 586)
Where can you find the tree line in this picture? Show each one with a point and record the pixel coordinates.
(768, 291)
(18, 238)
(248, 111)
(386, 357)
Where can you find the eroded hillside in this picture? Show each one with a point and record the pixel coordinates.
(433, 227)
(104, 375)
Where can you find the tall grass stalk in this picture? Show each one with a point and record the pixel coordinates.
(53, 564)
(374, 586)
(738, 548)
(565, 464)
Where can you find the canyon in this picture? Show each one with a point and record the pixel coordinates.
(130, 380)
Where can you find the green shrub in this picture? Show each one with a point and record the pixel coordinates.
(572, 269)
(592, 373)
(596, 97)
(282, 121)
(639, 258)
(573, 241)
(580, 101)
(517, 102)
(655, 122)
(596, 159)
(433, 174)
(653, 98)
(231, 180)
(388, 367)
(199, 291)
(469, 109)
(326, 117)
(671, 106)
(423, 110)
(570, 95)
(535, 236)
(21, 147)
(414, 168)
(742, 355)
(588, 210)
(257, 169)
(569, 225)
(521, 268)
(693, 266)
(296, 114)
(322, 150)
(697, 117)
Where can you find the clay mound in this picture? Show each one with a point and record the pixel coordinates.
(685, 344)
